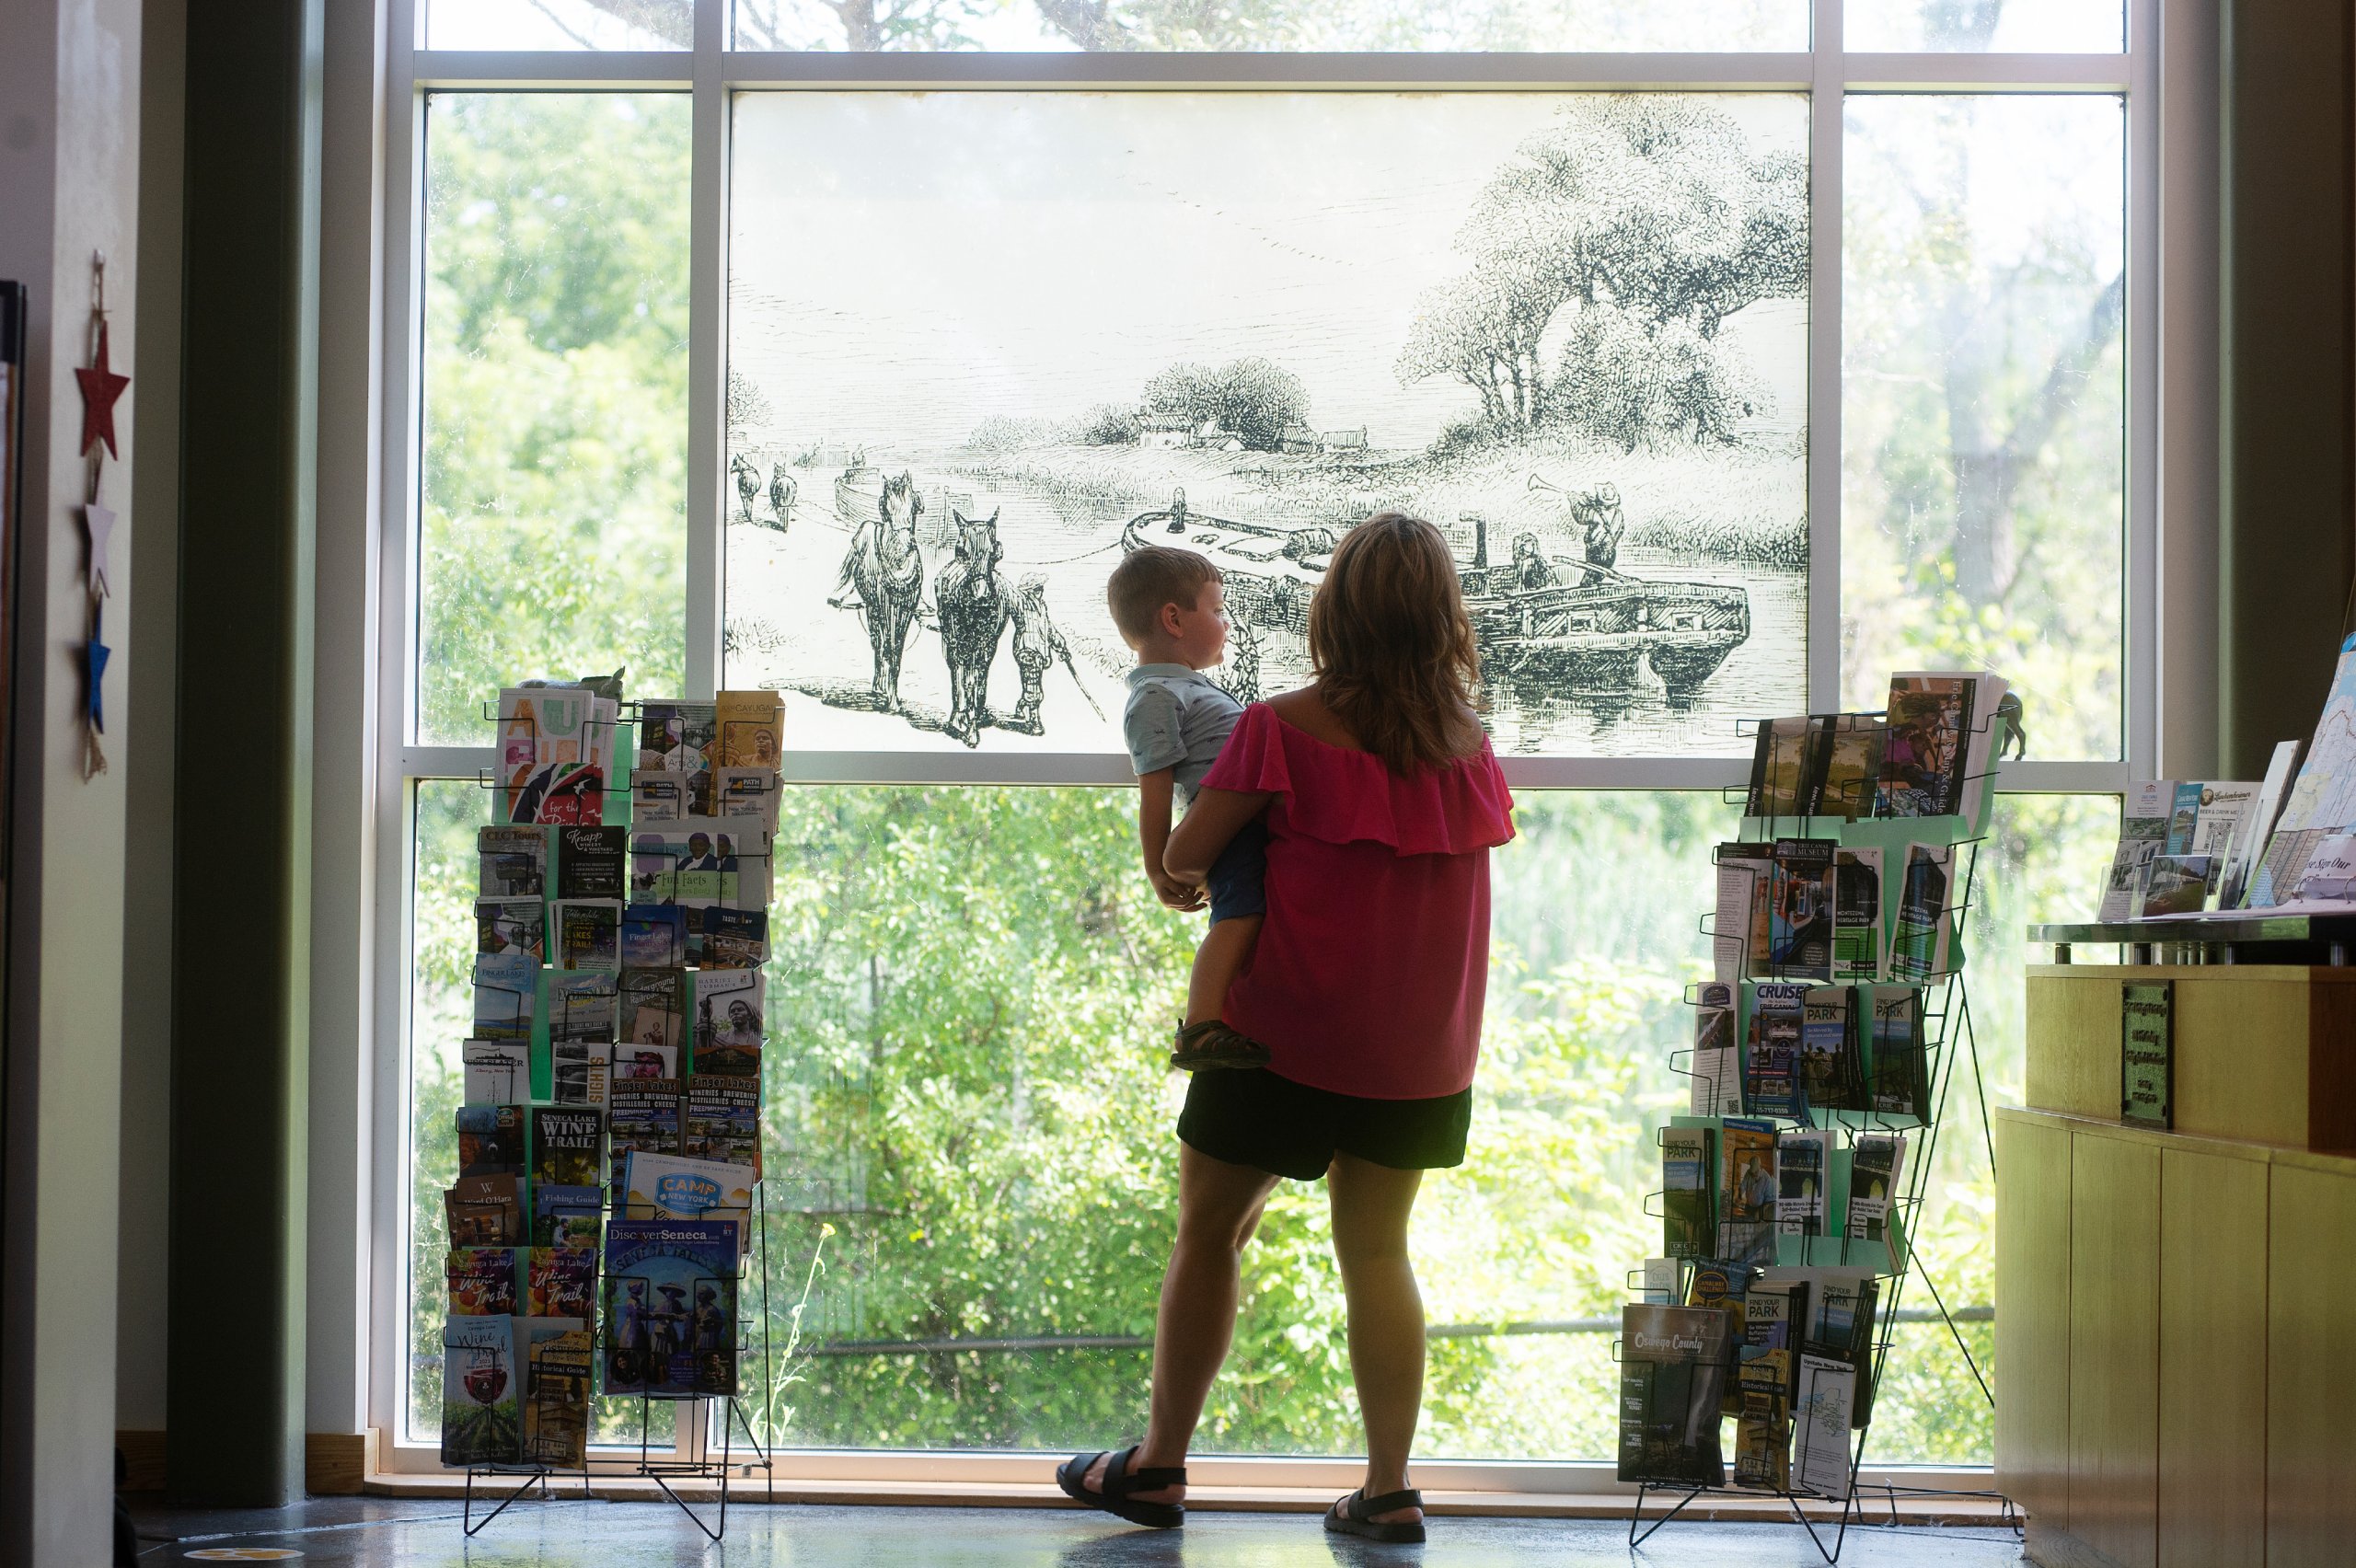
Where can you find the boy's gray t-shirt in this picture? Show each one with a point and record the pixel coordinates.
(1177, 719)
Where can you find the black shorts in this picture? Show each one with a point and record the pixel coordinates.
(1253, 1117)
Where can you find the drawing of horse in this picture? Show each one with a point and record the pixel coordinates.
(973, 604)
(885, 570)
(782, 490)
(748, 482)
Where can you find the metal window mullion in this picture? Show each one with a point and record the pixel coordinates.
(1968, 73)
(1765, 71)
(1826, 101)
(395, 710)
(2141, 198)
(707, 352)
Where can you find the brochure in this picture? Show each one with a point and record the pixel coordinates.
(479, 1391)
(1672, 1382)
(670, 1308)
(514, 861)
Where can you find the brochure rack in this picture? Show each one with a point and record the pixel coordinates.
(1946, 1037)
(716, 1440)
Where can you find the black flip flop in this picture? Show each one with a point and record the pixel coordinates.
(1119, 1481)
(1212, 1044)
(1354, 1514)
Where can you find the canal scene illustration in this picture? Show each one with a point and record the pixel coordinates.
(969, 367)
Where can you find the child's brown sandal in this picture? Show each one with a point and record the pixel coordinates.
(1212, 1044)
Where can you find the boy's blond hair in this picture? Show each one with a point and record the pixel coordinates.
(1150, 577)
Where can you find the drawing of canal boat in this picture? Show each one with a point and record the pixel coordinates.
(1592, 630)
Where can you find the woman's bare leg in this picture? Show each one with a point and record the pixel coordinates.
(1218, 1208)
(1371, 1204)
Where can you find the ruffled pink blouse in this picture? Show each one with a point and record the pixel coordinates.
(1372, 966)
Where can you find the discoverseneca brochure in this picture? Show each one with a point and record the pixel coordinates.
(670, 1308)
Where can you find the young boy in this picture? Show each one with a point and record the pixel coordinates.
(1170, 608)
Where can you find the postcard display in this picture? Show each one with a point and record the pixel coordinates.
(1823, 1049)
(609, 1152)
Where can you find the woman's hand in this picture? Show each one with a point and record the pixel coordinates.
(1217, 816)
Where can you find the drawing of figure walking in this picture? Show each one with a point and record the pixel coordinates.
(782, 490)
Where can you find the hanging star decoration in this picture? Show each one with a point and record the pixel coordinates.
(100, 387)
(98, 522)
(94, 661)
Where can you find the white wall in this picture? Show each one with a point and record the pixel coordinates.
(69, 137)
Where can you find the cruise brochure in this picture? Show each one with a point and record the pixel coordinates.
(1771, 1085)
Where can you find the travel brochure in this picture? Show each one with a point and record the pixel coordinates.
(610, 1129)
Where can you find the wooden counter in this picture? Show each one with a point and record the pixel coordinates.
(2175, 1329)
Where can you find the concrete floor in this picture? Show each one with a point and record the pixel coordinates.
(365, 1532)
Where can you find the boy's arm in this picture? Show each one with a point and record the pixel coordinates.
(1155, 791)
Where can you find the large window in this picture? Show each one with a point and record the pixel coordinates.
(711, 298)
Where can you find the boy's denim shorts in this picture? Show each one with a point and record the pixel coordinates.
(1238, 876)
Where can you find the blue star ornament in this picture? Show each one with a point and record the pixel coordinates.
(95, 657)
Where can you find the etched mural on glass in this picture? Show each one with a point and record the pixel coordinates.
(983, 343)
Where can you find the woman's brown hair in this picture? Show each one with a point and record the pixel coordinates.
(1392, 645)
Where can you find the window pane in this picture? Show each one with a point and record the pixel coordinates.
(2090, 27)
(979, 986)
(442, 947)
(558, 24)
(1983, 403)
(1240, 322)
(552, 529)
(1277, 25)
(2044, 859)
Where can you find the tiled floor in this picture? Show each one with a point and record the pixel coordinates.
(386, 1533)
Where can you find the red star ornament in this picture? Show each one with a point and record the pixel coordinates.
(100, 387)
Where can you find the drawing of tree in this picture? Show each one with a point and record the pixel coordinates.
(1253, 399)
(1648, 217)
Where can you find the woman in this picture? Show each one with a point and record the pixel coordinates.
(1382, 801)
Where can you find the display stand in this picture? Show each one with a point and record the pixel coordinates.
(1947, 1037)
(706, 1426)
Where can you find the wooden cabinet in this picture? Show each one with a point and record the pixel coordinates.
(2176, 1309)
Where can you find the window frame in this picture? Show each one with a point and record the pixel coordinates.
(711, 74)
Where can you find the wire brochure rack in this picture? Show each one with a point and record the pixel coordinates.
(1909, 1088)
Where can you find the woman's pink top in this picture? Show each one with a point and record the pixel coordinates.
(1374, 961)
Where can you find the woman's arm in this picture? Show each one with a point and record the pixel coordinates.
(1216, 816)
